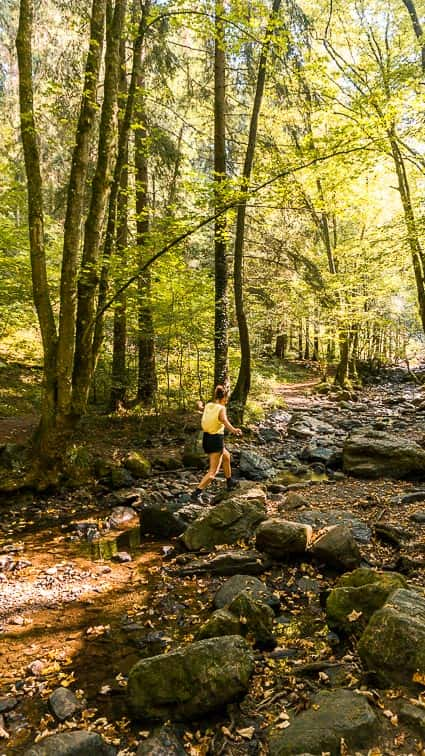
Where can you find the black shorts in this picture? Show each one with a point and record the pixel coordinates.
(213, 442)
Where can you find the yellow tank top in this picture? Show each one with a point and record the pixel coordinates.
(210, 422)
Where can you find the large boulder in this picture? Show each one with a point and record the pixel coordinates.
(338, 548)
(139, 466)
(334, 715)
(167, 518)
(393, 644)
(77, 743)
(280, 538)
(250, 585)
(254, 466)
(228, 522)
(372, 453)
(319, 518)
(357, 596)
(186, 684)
(256, 619)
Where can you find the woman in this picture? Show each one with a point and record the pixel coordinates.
(214, 421)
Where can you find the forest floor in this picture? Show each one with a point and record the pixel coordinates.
(72, 614)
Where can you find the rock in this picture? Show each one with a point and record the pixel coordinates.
(256, 619)
(6, 563)
(330, 456)
(318, 518)
(64, 703)
(120, 478)
(412, 497)
(291, 501)
(255, 467)
(393, 644)
(305, 426)
(374, 454)
(162, 519)
(121, 516)
(248, 584)
(193, 453)
(162, 742)
(190, 512)
(232, 562)
(77, 743)
(137, 464)
(337, 547)
(121, 557)
(269, 435)
(221, 622)
(231, 521)
(7, 704)
(340, 714)
(186, 684)
(412, 715)
(418, 516)
(167, 462)
(280, 538)
(362, 591)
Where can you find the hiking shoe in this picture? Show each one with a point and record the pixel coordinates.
(196, 497)
(231, 483)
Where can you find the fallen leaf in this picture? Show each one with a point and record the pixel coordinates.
(353, 616)
(246, 732)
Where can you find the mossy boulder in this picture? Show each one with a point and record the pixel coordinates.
(280, 538)
(137, 464)
(221, 622)
(256, 619)
(191, 682)
(362, 593)
(231, 521)
(336, 714)
(393, 643)
(337, 547)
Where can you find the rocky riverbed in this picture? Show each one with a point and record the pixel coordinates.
(100, 593)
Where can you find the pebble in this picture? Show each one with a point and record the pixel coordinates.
(122, 557)
(7, 704)
(64, 703)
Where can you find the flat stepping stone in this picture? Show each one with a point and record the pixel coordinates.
(232, 562)
(335, 715)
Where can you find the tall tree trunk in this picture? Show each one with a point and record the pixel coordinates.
(221, 320)
(40, 285)
(146, 382)
(89, 278)
(243, 383)
(417, 28)
(341, 376)
(115, 187)
(418, 257)
(74, 213)
(118, 373)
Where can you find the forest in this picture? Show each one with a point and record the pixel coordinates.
(222, 193)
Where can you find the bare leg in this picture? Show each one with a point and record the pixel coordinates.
(227, 469)
(215, 462)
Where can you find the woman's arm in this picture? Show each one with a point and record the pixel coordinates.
(222, 416)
